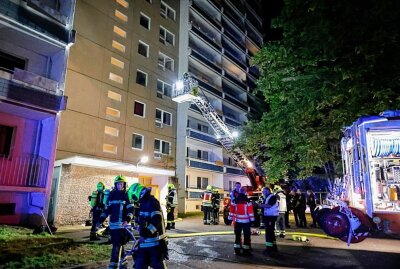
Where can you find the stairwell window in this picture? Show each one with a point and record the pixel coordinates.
(167, 12)
(143, 49)
(162, 147)
(165, 62)
(145, 21)
(166, 37)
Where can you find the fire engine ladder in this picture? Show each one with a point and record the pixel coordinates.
(188, 90)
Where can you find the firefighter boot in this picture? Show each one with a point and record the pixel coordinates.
(173, 225)
(94, 237)
(168, 226)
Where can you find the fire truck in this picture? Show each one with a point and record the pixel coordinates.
(188, 90)
(371, 167)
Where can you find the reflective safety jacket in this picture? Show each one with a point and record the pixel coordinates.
(119, 208)
(172, 198)
(207, 195)
(281, 201)
(271, 200)
(96, 199)
(151, 221)
(241, 210)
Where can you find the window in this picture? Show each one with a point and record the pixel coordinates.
(165, 62)
(143, 49)
(202, 155)
(164, 117)
(118, 46)
(6, 135)
(114, 96)
(119, 31)
(137, 141)
(9, 62)
(116, 78)
(111, 131)
(167, 12)
(162, 147)
(121, 16)
(141, 78)
(202, 128)
(163, 89)
(123, 3)
(145, 21)
(166, 37)
(139, 109)
(202, 182)
(110, 148)
(117, 63)
(113, 112)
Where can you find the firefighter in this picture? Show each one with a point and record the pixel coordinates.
(207, 205)
(97, 207)
(121, 211)
(172, 202)
(271, 212)
(280, 221)
(152, 249)
(235, 192)
(242, 214)
(215, 201)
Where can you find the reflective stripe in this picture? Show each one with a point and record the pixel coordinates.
(129, 206)
(268, 244)
(148, 245)
(117, 202)
(246, 247)
(151, 228)
(155, 213)
(237, 246)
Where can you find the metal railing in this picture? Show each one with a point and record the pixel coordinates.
(24, 171)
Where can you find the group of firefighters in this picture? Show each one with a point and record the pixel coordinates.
(210, 205)
(124, 205)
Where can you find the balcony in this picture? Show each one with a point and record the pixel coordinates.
(254, 37)
(205, 60)
(234, 57)
(24, 171)
(202, 136)
(230, 14)
(232, 122)
(207, 16)
(205, 165)
(235, 39)
(254, 21)
(31, 95)
(206, 37)
(235, 171)
(252, 85)
(209, 88)
(235, 80)
(253, 70)
(236, 102)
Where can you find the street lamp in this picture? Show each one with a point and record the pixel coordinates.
(143, 159)
(235, 134)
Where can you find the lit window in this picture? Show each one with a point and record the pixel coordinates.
(116, 78)
(121, 16)
(139, 109)
(111, 131)
(117, 63)
(119, 31)
(115, 96)
(137, 141)
(166, 37)
(113, 112)
(144, 21)
(143, 49)
(110, 148)
(123, 3)
(118, 46)
(167, 12)
(141, 78)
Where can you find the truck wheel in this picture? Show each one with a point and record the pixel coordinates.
(336, 224)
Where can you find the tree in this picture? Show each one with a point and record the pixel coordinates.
(336, 61)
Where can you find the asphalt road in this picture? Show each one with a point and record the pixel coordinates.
(216, 251)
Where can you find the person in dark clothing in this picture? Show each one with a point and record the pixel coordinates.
(271, 212)
(235, 192)
(172, 202)
(97, 206)
(301, 207)
(294, 201)
(153, 250)
(121, 211)
(289, 207)
(311, 202)
(216, 201)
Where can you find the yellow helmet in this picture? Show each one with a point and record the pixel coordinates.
(100, 186)
(277, 188)
(134, 192)
(209, 187)
(171, 186)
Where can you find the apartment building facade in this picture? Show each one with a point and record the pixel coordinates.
(119, 82)
(35, 37)
(217, 41)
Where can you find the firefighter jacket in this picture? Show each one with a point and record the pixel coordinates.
(119, 208)
(281, 201)
(207, 198)
(172, 198)
(97, 199)
(241, 210)
(151, 221)
(271, 200)
(216, 200)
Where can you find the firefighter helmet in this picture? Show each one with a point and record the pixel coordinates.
(209, 187)
(134, 192)
(100, 186)
(118, 179)
(277, 188)
(171, 186)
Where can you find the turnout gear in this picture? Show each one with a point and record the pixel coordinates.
(153, 248)
(271, 212)
(172, 202)
(120, 210)
(207, 205)
(97, 206)
(241, 213)
(215, 201)
(282, 208)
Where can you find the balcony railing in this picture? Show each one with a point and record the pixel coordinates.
(206, 61)
(234, 57)
(235, 80)
(235, 171)
(207, 16)
(24, 171)
(212, 41)
(209, 88)
(205, 166)
(201, 136)
(232, 122)
(233, 100)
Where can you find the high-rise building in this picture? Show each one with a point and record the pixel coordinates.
(119, 82)
(35, 37)
(217, 41)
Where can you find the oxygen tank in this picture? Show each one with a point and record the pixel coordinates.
(93, 199)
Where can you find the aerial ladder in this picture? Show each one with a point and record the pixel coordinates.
(187, 90)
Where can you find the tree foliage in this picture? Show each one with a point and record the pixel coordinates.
(336, 61)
